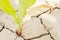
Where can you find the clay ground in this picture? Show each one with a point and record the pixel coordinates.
(41, 26)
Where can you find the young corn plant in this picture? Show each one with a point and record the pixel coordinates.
(6, 6)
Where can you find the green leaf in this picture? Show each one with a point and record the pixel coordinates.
(23, 5)
(6, 6)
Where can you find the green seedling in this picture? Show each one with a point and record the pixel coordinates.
(6, 6)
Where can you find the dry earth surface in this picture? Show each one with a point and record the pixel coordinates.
(42, 26)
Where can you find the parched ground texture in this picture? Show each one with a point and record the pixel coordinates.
(41, 26)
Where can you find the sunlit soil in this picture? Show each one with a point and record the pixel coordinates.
(41, 23)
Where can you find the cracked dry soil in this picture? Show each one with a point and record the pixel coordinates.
(42, 26)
